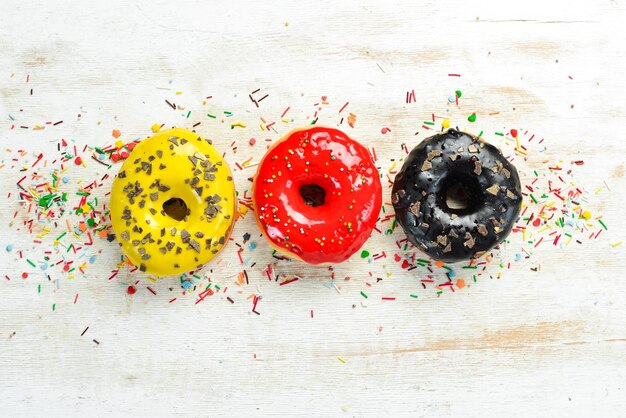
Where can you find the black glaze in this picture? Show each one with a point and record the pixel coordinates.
(419, 189)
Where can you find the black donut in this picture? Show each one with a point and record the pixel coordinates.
(459, 170)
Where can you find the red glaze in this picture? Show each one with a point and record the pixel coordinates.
(333, 231)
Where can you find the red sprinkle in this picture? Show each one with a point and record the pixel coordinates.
(131, 290)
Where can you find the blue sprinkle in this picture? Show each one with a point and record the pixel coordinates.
(101, 156)
(451, 273)
(518, 257)
(92, 259)
(65, 179)
(252, 245)
(9, 248)
(452, 99)
(187, 284)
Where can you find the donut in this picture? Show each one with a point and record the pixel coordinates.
(456, 196)
(173, 203)
(317, 195)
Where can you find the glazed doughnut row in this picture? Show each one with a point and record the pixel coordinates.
(316, 196)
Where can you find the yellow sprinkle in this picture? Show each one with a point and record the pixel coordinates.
(285, 120)
(179, 92)
(152, 279)
(445, 124)
(238, 124)
(587, 214)
(86, 208)
(392, 166)
(243, 210)
(341, 359)
(119, 144)
(616, 244)
(262, 127)
(156, 128)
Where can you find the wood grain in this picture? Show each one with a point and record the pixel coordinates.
(550, 343)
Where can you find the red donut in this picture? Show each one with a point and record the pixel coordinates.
(317, 195)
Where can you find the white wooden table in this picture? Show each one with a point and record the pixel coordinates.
(547, 343)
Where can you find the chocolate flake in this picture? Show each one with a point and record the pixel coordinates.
(494, 189)
(478, 168)
(415, 208)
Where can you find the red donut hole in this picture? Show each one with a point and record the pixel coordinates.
(313, 194)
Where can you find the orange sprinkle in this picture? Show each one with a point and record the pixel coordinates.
(116, 133)
(439, 263)
(460, 283)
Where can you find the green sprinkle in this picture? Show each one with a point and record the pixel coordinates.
(446, 267)
(54, 306)
(458, 93)
(470, 267)
(211, 116)
(499, 134)
(363, 294)
(480, 134)
(188, 113)
(39, 288)
(217, 287)
(228, 113)
(365, 254)
(536, 175)
(61, 236)
(474, 277)
(429, 123)
(414, 296)
(31, 263)
(472, 117)
(533, 198)
(603, 225)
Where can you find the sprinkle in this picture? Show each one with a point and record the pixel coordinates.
(341, 359)
(288, 281)
(363, 294)
(603, 225)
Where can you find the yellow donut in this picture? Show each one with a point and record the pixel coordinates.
(173, 203)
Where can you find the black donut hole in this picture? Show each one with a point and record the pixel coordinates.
(313, 195)
(176, 208)
(461, 194)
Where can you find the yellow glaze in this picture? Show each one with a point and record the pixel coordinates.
(174, 163)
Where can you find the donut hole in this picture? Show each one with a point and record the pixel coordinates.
(313, 195)
(461, 194)
(176, 208)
